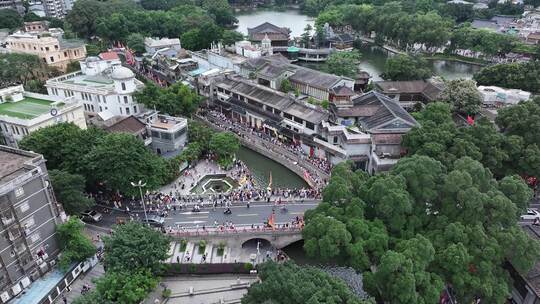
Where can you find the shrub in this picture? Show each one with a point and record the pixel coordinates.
(183, 245)
(202, 246)
(166, 293)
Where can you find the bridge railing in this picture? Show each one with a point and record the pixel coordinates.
(235, 231)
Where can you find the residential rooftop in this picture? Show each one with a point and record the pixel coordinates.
(27, 108)
(12, 162)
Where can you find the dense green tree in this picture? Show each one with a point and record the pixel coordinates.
(69, 191)
(91, 297)
(221, 11)
(326, 239)
(522, 76)
(224, 145)
(404, 67)
(10, 19)
(133, 247)
(291, 284)
(461, 12)
(54, 143)
(73, 66)
(119, 159)
(135, 41)
(425, 223)
(21, 68)
(177, 99)
(75, 245)
(201, 38)
(463, 95)
(199, 133)
(521, 120)
(129, 288)
(113, 27)
(230, 37)
(343, 63)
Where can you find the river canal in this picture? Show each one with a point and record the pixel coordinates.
(261, 167)
(373, 58)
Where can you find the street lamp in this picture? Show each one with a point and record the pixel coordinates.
(140, 185)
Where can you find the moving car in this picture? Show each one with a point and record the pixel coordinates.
(154, 220)
(531, 214)
(91, 216)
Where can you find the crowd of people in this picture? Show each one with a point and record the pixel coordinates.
(273, 143)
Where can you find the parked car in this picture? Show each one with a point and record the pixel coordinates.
(91, 216)
(531, 214)
(154, 220)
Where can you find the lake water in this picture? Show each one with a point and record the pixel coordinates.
(261, 166)
(292, 19)
(373, 58)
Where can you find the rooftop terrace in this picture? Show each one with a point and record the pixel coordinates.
(27, 108)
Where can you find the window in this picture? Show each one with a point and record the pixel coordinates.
(310, 125)
(179, 133)
(46, 48)
(24, 207)
(125, 99)
(35, 237)
(120, 110)
(100, 109)
(29, 223)
(123, 86)
(166, 136)
(335, 139)
(127, 111)
(155, 134)
(134, 109)
(19, 192)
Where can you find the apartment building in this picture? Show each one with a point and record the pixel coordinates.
(12, 4)
(29, 214)
(22, 113)
(52, 49)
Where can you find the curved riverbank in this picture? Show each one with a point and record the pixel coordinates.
(312, 175)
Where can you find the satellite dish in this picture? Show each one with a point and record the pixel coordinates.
(54, 112)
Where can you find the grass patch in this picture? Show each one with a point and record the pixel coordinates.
(221, 248)
(27, 108)
(183, 245)
(202, 246)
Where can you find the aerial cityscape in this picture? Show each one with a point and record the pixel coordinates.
(269, 151)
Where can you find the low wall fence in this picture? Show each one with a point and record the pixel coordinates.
(174, 269)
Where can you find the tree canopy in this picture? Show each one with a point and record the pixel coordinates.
(133, 247)
(111, 160)
(177, 99)
(405, 67)
(523, 76)
(421, 226)
(10, 19)
(343, 63)
(69, 190)
(291, 284)
(224, 145)
(463, 95)
(75, 245)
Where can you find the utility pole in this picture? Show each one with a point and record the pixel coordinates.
(140, 185)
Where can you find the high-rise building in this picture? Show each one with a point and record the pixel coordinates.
(12, 4)
(29, 214)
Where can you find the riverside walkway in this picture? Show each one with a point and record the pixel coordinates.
(298, 163)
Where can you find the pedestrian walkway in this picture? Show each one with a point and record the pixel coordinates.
(87, 278)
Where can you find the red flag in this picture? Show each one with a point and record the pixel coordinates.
(311, 151)
(470, 120)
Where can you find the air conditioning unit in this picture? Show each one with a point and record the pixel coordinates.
(4, 296)
(25, 282)
(16, 289)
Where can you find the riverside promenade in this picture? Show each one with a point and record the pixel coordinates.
(296, 162)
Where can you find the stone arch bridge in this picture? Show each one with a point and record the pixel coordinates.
(279, 238)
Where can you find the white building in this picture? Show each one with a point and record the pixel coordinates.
(102, 85)
(499, 97)
(151, 45)
(21, 113)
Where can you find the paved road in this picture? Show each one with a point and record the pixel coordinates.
(241, 215)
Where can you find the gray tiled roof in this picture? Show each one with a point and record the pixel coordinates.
(274, 99)
(388, 111)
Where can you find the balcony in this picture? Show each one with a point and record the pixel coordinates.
(8, 221)
(14, 234)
